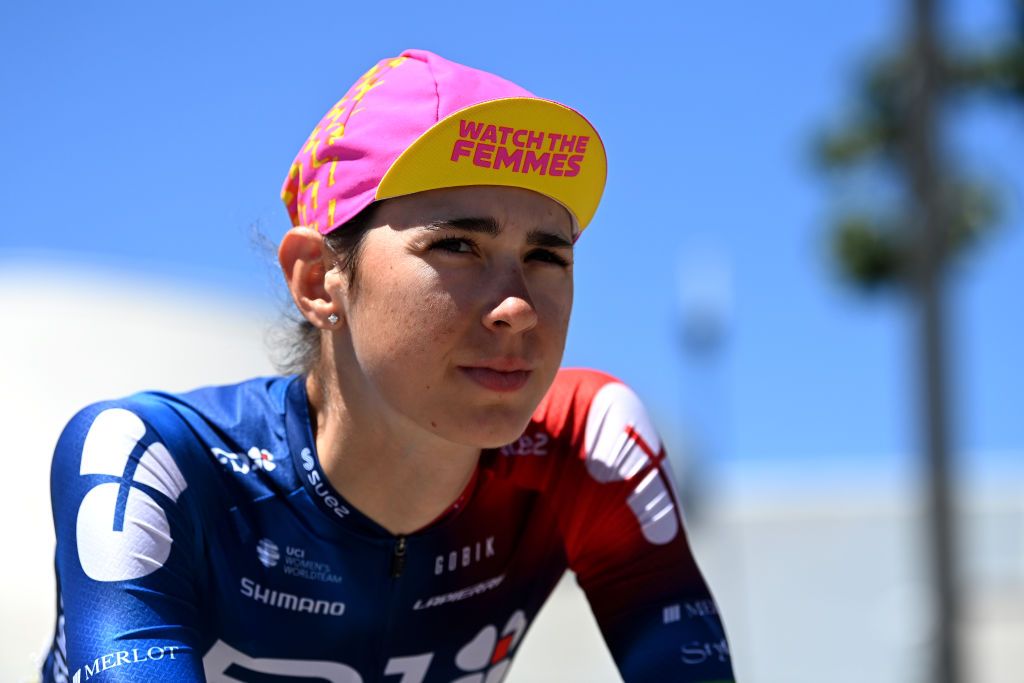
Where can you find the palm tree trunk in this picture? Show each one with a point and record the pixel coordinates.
(929, 265)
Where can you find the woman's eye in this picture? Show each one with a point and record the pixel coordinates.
(454, 244)
(547, 257)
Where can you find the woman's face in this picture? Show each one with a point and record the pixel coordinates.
(457, 319)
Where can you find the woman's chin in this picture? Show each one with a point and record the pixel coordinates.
(495, 433)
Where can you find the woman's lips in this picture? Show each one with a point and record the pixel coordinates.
(495, 380)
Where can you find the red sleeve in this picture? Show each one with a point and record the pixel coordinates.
(624, 536)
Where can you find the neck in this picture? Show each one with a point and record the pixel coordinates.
(397, 475)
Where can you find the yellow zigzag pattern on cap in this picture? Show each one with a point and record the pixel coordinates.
(330, 130)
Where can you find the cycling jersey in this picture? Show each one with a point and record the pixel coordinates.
(199, 539)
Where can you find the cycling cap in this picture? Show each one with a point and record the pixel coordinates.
(419, 122)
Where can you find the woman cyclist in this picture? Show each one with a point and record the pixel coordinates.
(401, 507)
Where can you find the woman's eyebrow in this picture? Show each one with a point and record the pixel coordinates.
(488, 226)
(543, 238)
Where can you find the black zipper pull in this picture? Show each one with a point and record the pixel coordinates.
(398, 559)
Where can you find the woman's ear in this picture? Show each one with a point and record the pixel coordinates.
(301, 256)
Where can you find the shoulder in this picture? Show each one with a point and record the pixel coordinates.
(591, 417)
(615, 462)
(594, 409)
(116, 487)
(102, 437)
(131, 474)
(164, 431)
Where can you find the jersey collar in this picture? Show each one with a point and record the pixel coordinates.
(302, 446)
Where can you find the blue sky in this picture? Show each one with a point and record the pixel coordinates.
(172, 128)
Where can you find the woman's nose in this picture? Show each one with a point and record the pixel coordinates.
(514, 312)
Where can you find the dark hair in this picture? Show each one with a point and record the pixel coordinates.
(299, 350)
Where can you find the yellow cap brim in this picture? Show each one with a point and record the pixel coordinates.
(524, 142)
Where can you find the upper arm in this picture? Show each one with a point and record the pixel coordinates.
(626, 541)
(125, 556)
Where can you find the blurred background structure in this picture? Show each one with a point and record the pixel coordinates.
(898, 128)
(144, 148)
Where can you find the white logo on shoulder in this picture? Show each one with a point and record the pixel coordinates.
(122, 532)
(621, 442)
(259, 459)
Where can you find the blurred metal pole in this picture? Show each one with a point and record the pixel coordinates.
(704, 300)
(929, 263)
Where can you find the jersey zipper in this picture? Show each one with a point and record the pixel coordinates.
(398, 558)
(398, 550)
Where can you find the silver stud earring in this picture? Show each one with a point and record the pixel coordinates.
(332, 319)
